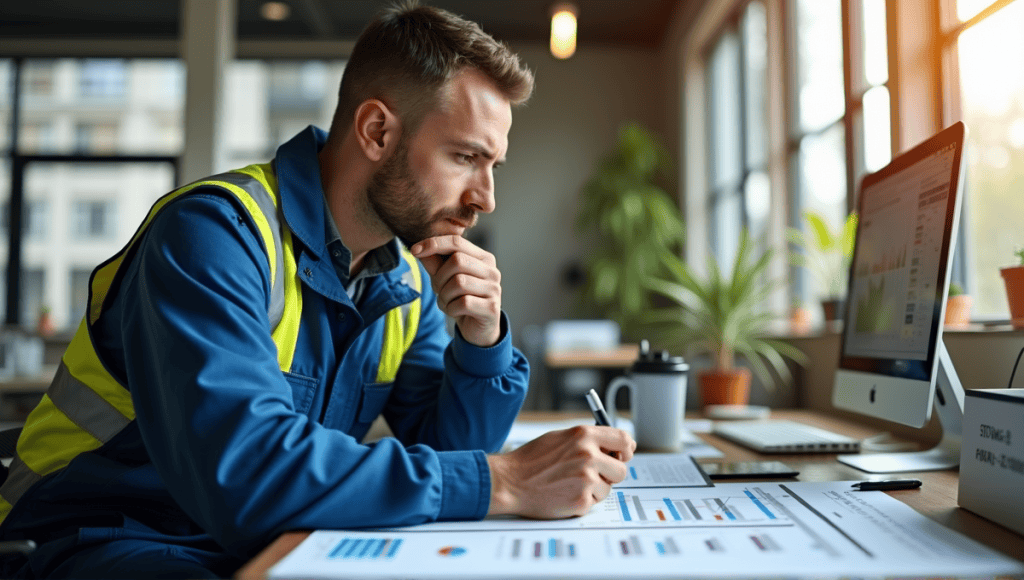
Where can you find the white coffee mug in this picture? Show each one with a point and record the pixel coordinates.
(657, 388)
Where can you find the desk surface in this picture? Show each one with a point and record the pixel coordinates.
(935, 499)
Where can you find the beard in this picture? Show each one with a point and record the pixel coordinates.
(402, 205)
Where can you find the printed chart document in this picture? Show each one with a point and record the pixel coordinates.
(664, 470)
(733, 529)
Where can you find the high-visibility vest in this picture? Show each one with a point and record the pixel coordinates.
(85, 406)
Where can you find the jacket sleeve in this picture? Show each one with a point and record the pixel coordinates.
(452, 395)
(217, 416)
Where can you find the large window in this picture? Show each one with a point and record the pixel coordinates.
(95, 145)
(740, 193)
(835, 112)
(984, 46)
(97, 142)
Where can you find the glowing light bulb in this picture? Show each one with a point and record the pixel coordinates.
(563, 31)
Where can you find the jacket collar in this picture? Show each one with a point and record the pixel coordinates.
(301, 195)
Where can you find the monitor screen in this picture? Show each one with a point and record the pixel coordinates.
(907, 220)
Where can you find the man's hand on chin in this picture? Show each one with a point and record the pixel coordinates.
(467, 283)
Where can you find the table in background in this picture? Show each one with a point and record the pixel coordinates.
(936, 499)
(558, 363)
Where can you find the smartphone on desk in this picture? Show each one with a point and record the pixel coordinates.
(748, 469)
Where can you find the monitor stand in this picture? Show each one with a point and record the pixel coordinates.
(949, 404)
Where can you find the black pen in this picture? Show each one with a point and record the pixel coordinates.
(888, 484)
(597, 409)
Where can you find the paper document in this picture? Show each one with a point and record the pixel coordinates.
(733, 529)
(525, 431)
(664, 470)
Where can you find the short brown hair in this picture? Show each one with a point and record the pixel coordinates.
(405, 56)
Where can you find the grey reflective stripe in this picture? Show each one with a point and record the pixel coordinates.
(409, 280)
(85, 408)
(262, 198)
(91, 412)
(20, 478)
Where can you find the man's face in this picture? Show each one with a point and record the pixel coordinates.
(438, 179)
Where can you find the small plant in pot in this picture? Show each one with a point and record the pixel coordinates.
(958, 307)
(827, 255)
(1013, 277)
(722, 314)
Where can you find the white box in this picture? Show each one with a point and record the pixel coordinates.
(992, 456)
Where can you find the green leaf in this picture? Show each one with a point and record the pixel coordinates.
(822, 237)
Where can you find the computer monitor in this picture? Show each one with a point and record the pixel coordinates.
(893, 363)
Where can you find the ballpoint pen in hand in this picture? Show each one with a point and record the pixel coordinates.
(600, 415)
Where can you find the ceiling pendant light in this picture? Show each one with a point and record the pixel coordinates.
(563, 30)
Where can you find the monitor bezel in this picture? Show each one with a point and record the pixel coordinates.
(908, 398)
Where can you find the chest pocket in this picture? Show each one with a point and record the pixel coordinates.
(303, 389)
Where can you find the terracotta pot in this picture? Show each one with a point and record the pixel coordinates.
(1013, 277)
(958, 310)
(834, 312)
(725, 388)
(799, 320)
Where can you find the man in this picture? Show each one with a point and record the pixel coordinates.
(235, 353)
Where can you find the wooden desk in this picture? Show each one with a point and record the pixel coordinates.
(935, 499)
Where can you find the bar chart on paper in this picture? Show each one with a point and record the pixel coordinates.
(730, 530)
(656, 508)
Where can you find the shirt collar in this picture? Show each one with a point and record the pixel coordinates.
(304, 203)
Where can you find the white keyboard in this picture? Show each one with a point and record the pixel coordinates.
(778, 436)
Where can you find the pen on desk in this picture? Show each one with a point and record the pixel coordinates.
(888, 484)
(600, 415)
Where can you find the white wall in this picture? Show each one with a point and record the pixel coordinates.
(555, 143)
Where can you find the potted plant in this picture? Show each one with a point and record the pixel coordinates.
(958, 307)
(722, 314)
(633, 225)
(827, 255)
(1013, 277)
(799, 317)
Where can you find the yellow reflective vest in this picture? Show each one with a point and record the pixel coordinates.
(85, 407)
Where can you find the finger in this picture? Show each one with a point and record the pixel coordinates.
(482, 309)
(616, 440)
(432, 264)
(449, 244)
(610, 469)
(600, 491)
(461, 285)
(461, 263)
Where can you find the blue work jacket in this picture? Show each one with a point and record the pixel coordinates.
(226, 451)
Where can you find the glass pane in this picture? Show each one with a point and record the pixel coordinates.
(726, 227)
(877, 133)
(823, 173)
(819, 47)
(757, 196)
(270, 101)
(6, 90)
(992, 91)
(967, 9)
(755, 69)
(876, 58)
(78, 215)
(822, 168)
(724, 102)
(102, 106)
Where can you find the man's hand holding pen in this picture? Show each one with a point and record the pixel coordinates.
(561, 473)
